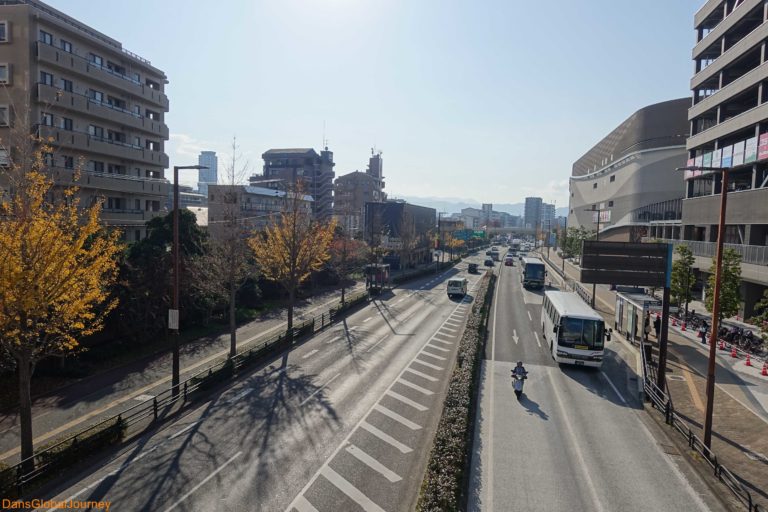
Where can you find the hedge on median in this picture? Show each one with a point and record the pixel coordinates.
(443, 488)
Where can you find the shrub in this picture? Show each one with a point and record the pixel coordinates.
(61, 454)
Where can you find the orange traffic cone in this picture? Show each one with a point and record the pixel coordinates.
(674, 321)
(765, 369)
(722, 345)
(682, 327)
(733, 351)
(748, 362)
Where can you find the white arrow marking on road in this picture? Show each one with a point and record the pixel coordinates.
(515, 337)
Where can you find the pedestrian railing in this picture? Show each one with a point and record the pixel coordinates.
(54, 458)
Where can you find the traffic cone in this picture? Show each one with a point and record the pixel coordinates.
(765, 369)
(722, 345)
(682, 327)
(748, 362)
(674, 321)
(733, 351)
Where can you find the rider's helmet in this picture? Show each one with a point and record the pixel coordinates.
(519, 363)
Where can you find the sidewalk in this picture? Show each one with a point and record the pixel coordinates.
(740, 418)
(80, 404)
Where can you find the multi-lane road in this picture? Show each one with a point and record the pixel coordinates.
(342, 422)
(578, 439)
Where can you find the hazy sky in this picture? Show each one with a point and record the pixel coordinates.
(486, 100)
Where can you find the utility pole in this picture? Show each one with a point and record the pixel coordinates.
(599, 211)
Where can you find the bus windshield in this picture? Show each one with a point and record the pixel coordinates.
(579, 333)
(534, 271)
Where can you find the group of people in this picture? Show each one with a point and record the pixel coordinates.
(702, 332)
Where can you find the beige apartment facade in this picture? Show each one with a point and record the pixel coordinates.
(101, 107)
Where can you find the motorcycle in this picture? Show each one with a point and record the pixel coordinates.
(517, 383)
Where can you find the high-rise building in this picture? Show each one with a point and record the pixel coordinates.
(351, 192)
(728, 120)
(547, 217)
(487, 209)
(629, 171)
(101, 105)
(210, 175)
(532, 216)
(287, 167)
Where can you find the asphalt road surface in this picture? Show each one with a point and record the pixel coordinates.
(578, 439)
(342, 422)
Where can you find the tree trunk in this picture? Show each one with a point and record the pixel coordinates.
(342, 291)
(232, 321)
(24, 367)
(291, 298)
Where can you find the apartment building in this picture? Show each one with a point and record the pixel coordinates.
(253, 208)
(728, 120)
(629, 176)
(301, 165)
(101, 106)
(351, 192)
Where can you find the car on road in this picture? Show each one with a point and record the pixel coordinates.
(509, 261)
(472, 268)
(488, 252)
(488, 262)
(521, 255)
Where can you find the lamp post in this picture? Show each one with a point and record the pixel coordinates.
(173, 314)
(715, 298)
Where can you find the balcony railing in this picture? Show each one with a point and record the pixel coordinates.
(664, 210)
(753, 254)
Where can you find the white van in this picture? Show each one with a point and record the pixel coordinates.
(457, 286)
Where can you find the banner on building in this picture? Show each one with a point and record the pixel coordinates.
(762, 147)
(738, 154)
(717, 158)
(727, 156)
(750, 150)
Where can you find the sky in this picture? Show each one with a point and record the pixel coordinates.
(482, 100)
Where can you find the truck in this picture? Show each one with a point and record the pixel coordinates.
(495, 253)
(514, 246)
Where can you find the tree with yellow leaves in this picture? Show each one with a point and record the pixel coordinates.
(56, 264)
(292, 246)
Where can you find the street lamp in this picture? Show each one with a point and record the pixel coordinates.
(715, 298)
(173, 314)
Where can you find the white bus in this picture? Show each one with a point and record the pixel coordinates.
(576, 333)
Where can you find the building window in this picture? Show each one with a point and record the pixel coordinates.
(66, 85)
(65, 45)
(610, 203)
(97, 60)
(4, 35)
(5, 73)
(96, 131)
(137, 78)
(45, 37)
(594, 185)
(96, 95)
(48, 159)
(137, 141)
(137, 204)
(95, 166)
(115, 136)
(116, 102)
(613, 178)
(69, 162)
(137, 233)
(46, 119)
(137, 110)
(4, 119)
(152, 115)
(46, 78)
(115, 68)
(4, 160)
(153, 85)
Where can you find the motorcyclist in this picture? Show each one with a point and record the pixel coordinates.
(518, 374)
(519, 370)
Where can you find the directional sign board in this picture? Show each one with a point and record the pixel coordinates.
(623, 263)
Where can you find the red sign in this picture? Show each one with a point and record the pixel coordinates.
(762, 147)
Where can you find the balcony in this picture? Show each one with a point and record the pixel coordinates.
(750, 254)
(111, 182)
(731, 125)
(81, 104)
(730, 55)
(725, 26)
(741, 84)
(53, 56)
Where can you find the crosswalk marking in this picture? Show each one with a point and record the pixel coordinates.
(400, 419)
(442, 341)
(406, 400)
(421, 374)
(428, 365)
(435, 347)
(416, 387)
(385, 437)
(373, 464)
(303, 505)
(350, 490)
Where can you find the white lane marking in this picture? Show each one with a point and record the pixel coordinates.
(421, 374)
(437, 337)
(318, 390)
(350, 490)
(435, 347)
(416, 387)
(399, 301)
(489, 445)
(576, 446)
(442, 341)
(515, 337)
(430, 354)
(452, 321)
(408, 401)
(376, 344)
(373, 464)
(448, 329)
(529, 316)
(188, 494)
(303, 505)
(400, 419)
(536, 335)
(386, 438)
(428, 365)
(180, 432)
(614, 387)
(310, 353)
(367, 319)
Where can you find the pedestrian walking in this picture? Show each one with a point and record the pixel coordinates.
(703, 331)
(657, 325)
(647, 326)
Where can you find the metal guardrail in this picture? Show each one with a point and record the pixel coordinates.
(753, 254)
(663, 403)
(137, 418)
